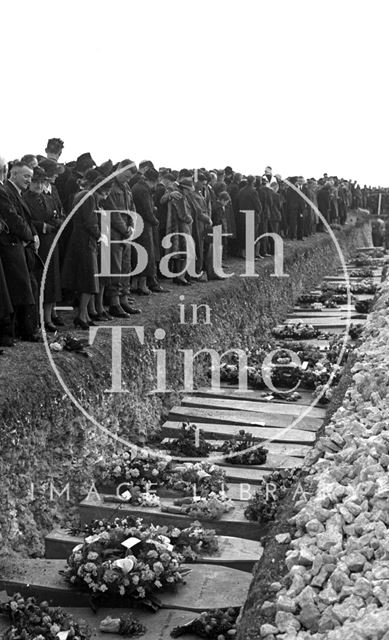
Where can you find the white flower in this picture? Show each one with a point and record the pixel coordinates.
(78, 547)
(94, 538)
(54, 629)
(122, 590)
(125, 564)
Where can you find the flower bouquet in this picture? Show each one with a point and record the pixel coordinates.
(140, 471)
(32, 621)
(190, 442)
(103, 525)
(211, 507)
(363, 306)
(320, 374)
(263, 505)
(134, 562)
(216, 624)
(371, 260)
(332, 301)
(309, 298)
(205, 476)
(288, 374)
(298, 331)
(355, 331)
(189, 542)
(193, 541)
(336, 345)
(361, 273)
(229, 373)
(365, 286)
(324, 398)
(127, 625)
(134, 495)
(239, 445)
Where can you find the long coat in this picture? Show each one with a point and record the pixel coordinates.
(144, 204)
(200, 226)
(14, 235)
(80, 267)
(295, 206)
(324, 202)
(34, 263)
(6, 307)
(46, 222)
(179, 220)
(248, 200)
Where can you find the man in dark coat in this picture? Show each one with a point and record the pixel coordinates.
(142, 192)
(295, 206)
(248, 200)
(119, 201)
(18, 244)
(324, 203)
(233, 189)
(6, 308)
(266, 204)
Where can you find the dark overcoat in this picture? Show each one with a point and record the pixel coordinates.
(5, 301)
(144, 205)
(15, 232)
(248, 200)
(80, 267)
(46, 221)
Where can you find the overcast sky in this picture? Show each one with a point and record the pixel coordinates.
(300, 85)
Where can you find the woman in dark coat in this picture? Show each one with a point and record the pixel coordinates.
(46, 222)
(81, 265)
(146, 282)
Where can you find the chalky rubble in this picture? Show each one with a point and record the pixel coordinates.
(337, 587)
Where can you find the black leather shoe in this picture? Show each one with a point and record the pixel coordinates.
(81, 324)
(117, 312)
(144, 292)
(158, 289)
(128, 309)
(181, 282)
(50, 327)
(57, 320)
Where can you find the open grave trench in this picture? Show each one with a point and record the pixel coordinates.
(221, 580)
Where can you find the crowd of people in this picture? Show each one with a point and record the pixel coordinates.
(37, 193)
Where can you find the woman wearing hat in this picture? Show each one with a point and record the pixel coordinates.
(80, 268)
(47, 223)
